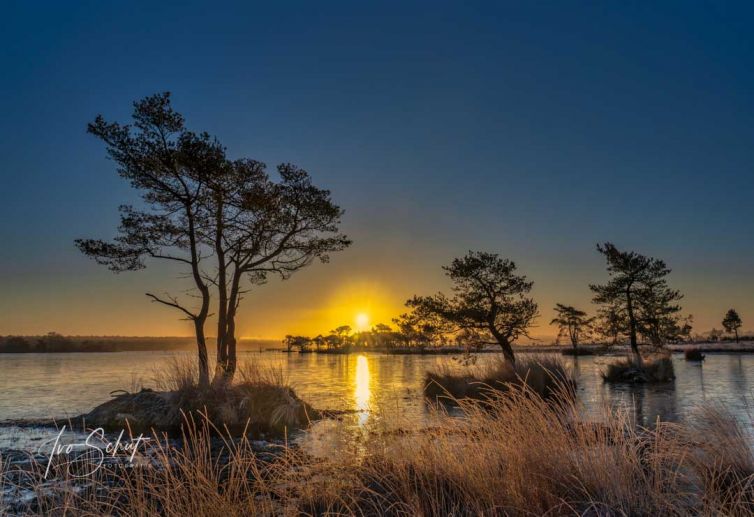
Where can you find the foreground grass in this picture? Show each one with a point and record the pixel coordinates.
(516, 454)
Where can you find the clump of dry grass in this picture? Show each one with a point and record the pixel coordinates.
(721, 455)
(179, 373)
(251, 372)
(262, 409)
(545, 375)
(654, 368)
(260, 400)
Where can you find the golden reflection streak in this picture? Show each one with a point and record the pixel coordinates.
(362, 393)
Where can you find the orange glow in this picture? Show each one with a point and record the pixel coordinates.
(359, 304)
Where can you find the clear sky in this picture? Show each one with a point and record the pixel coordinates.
(532, 129)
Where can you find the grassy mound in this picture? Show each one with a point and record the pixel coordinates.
(545, 375)
(266, 409)
(658, 368)
(259, 402)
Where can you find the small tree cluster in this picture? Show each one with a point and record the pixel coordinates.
(572, 322)
(342, 338)
(732, 322)
(300, 342)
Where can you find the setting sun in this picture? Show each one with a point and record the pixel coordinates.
(362, 321)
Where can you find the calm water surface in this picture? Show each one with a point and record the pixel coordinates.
(59, 385)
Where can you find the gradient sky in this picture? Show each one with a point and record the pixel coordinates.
(532, 129)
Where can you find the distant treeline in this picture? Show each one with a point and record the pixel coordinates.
(731, 338)
(55, 343)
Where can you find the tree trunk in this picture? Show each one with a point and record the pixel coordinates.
(736, 332)
(227, 370)
(504, 345)
(201, 344)
(222, 292)
(230, 370)
(222, 349)
(201, 318)
(632, 329)
(230, 343)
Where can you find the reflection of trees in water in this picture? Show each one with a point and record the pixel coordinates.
(647, 403)
(391, 374)
(575, 368)
(341, 366)
(738, 374)
(701, 380)
(662, 404)
(51, 366)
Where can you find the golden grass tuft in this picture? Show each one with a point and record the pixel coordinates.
(654, 368)
(546, 375)
(722, 457)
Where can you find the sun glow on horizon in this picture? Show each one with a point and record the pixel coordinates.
(362, 321)
(359, 304)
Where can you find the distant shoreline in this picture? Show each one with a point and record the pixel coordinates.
(56, 343)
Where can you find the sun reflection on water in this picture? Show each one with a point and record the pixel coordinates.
(362, 393)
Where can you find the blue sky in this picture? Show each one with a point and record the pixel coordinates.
(532, 129)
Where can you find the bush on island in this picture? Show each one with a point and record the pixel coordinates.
(656, 368)
(544, 375)
(693, 354)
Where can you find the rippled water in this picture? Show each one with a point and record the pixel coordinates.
(59, 385)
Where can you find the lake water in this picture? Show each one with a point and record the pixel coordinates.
(41, 386)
